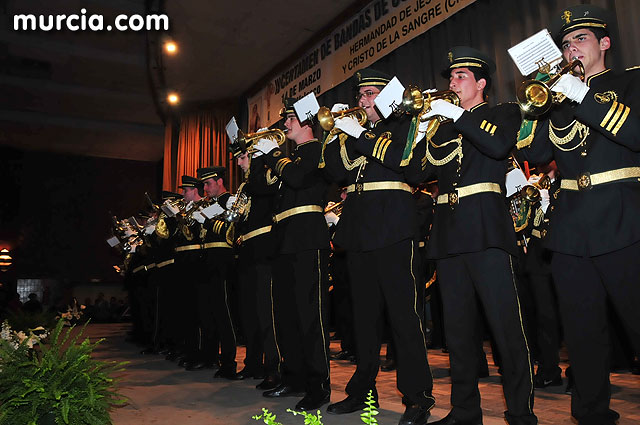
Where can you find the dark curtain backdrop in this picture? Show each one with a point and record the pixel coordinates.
(199, 140)
(493, 26)
(55, 211)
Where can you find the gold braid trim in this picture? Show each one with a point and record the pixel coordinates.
(456, 153)
(575, 128)
(348, 164)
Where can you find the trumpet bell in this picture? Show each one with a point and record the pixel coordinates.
(412, 100)
(327, 121)
(534, 97)
(246, 140)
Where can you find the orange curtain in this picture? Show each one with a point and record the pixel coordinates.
(202, 142)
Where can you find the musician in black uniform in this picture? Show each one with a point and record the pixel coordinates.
(377, 229)
(473, 239)
(300, 280)
(213, 292)
(594, 137)
(256, 248)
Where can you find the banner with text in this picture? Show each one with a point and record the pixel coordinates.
(378, 29)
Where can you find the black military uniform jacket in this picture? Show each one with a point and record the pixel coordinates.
(602, 218)
(261, 187)
(373, 219)
(485, 136)
(301, 184)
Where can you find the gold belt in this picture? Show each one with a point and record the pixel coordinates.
(369, 186)
(473, 189)
(165, 263)
(587, 180)
(188, 247)
(215, 245)
(295, 211)
(252, 234)
(147, 267)
(150, 266)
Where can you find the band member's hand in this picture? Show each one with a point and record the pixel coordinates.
(572, 87)
(422, 129)
(445, 109)
(339, 107)
(350, 126)
(264, 146)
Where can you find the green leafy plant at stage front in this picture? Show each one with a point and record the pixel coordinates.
(368, 413)
(367, 416)
(57, 382)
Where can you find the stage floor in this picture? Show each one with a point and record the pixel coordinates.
(160, 392)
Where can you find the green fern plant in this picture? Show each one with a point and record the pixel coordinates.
(60, 381)
(368, 413)
(266, 417)
(309, 418)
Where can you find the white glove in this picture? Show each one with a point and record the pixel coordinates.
(331, 218)
(422, 129)
(264, 146)
(349, 126)
(230, 201)
(572, 87)
(339, 107)
(197, 216)
(544, 199)
(445, 109)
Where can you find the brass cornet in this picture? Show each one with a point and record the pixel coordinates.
(415, 102)
(246, 141)
(536, 98)
(327, 119)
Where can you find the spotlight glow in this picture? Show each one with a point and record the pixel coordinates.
(173, 98)
(171, 47)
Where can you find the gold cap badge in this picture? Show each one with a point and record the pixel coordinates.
(566, 16)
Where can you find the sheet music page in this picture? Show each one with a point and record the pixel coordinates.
(232, 129)
(390, 97)
(307, 107)
(528, 54)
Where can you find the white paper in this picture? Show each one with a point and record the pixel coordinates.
(197, 216)
(390, 98)
(113, 241)
(530, 53)
(307, 107)
(149, 229)
(515, 181)
(232, 129)
(169, 209)
(212, 211)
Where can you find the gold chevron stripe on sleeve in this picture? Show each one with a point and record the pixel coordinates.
(615, 117)
(384, 150)
(484, 123)
(606, 118)
(621, 121)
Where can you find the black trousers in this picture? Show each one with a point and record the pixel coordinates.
(488, 276)
(386, 278)
(256, 311)
(300, 293)
(214, 311)
(583, 285)
(341, 301)
(547, 325)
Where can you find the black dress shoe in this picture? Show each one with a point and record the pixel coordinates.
(450, 420)
(415, 415)
(246, 374)
(164, 351)
(314, 400)
(269, 383)
(195, 365)
(541, 382)
(342, 355)
(229, 374)
(348, 405)
(388, 365)
(283, 390)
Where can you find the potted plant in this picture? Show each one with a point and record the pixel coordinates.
(54, 383)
